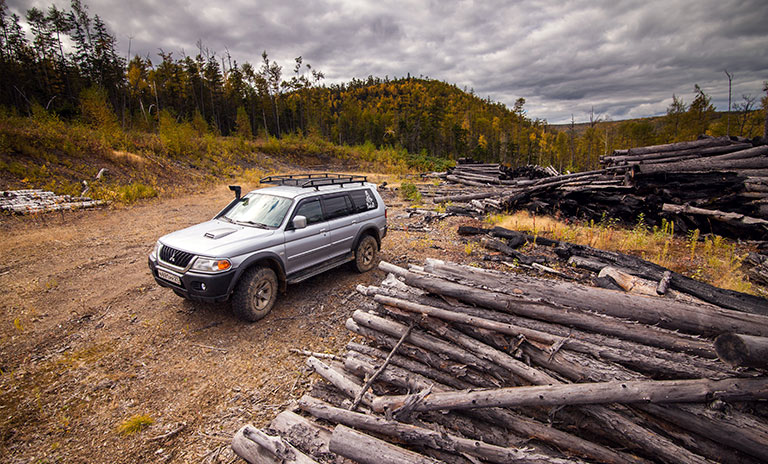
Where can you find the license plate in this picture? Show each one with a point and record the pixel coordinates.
(169, 277)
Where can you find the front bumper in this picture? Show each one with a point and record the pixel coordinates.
(196, 286)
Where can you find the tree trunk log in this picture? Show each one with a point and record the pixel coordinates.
(668, 147)
(420, 436)
(695, 319)
(530, 428)
(681, 366)
(256, 447)
(573, 318)
(636, 391)
(717, 296)
(742, 350)
(735, 219)
(307, 436)
(366, 449)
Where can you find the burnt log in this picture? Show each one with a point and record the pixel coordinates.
(742, 350)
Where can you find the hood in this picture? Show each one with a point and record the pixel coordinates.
(219, 239)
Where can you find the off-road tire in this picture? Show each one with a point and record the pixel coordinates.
(255, 294)
(366, 254)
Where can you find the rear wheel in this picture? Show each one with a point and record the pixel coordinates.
(255, 294)
(366, 253)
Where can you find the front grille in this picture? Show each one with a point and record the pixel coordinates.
(175, 257)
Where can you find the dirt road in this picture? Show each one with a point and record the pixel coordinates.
(88, 340)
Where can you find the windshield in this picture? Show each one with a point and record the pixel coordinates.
(259, 209)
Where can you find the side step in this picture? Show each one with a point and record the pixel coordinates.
(320, 268)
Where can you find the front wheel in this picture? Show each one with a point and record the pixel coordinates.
(366, 253)
(255, 294)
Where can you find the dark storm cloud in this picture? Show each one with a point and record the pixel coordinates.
(625, 59)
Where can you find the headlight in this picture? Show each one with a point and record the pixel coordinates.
(211, 264)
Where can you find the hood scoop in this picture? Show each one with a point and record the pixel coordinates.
(219, 233)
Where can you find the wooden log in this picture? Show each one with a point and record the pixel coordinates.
(663, 286)
(346, 385)
(307, 436)
(668, 147)
(622, 430)
(742, 350)
(595, 370)
(714, 163)
(586, 263)
(460, 370)
(395, 329)
(550, 313)
(256, 447)
(465, 197)
(674, 315)
(735, 219)
(459, 180)
(366, 449)
(721, 297)
(528, 427)
(411, 365)
(372, 378)
(677, 154)
(678, 367)
(420, 436)
(703, 348)
(624, 392)
(522, 258)
(747, 439)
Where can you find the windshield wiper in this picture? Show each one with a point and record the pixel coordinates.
(226, 219)
(253, 223)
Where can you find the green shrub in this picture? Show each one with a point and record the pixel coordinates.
(410, 192)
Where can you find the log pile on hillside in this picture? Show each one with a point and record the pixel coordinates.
(717, 185)
(40, 201)
(483, 175)
(466, 365)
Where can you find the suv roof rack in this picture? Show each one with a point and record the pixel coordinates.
(314, 180)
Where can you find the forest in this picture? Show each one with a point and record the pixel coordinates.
(70, 68)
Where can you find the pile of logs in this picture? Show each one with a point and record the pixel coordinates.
(40, 201)
(717, 185)
(483, 175)
(466, 365)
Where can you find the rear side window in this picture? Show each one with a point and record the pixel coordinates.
(337, 206)
(363, 200)
(311, 210)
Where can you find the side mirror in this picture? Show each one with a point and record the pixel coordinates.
(299, 222)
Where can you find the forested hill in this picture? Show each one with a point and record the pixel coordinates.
(90, 83)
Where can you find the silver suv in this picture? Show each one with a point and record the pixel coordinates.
(271, 237)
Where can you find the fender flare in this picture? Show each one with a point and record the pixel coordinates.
(275, 262)
(368, 230)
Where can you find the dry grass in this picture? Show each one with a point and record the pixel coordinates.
(135, 424)
(711, 259)
(126, 158)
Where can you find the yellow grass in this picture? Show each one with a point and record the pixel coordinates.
(714, 260)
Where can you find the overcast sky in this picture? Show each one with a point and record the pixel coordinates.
(624, 58)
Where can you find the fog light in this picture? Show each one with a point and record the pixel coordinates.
(202, 287)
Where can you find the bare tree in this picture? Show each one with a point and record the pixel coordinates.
(728, 118)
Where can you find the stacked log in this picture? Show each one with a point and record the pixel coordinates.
(716, 184)
(469, 365)
(483, 175)
(31, 201)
